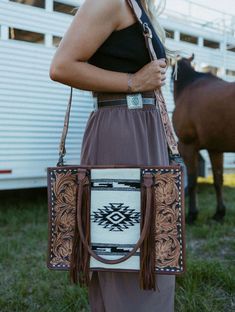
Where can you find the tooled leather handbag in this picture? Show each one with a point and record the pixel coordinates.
(118, 218)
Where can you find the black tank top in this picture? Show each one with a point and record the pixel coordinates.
(125, 50)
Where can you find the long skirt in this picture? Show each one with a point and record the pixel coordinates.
(119, 135)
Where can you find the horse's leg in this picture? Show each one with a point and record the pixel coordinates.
(190, 156)
(217, 168)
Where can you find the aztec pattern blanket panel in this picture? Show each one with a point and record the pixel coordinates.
(115, 215)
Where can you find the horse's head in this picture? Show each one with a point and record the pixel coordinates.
(184, 67)
(185, 74)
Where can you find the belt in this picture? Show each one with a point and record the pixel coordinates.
(130, 100)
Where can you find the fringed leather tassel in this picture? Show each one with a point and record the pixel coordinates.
(147, 254)
(84, 257)
(80, 258)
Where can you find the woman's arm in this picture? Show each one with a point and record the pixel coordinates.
(92, 24)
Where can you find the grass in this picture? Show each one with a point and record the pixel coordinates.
(26, 284)
(209, 284)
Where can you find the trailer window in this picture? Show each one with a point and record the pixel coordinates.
(230, 72)
(64, 8)
(211, 44)
(56, 40)
(25, 35)
(231, 47)
(188, 38)
(36, 3)
(170, 33)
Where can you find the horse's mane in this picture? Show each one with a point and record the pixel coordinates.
(187, 75)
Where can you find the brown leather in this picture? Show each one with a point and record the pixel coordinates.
(120, 100)
(119, 95)
(147, 276)
(147, 249)
(80, 257)
(62, 149)
(117, 104)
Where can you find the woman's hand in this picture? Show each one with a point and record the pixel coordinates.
(150, 77)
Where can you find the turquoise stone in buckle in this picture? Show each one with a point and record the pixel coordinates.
(134, 100)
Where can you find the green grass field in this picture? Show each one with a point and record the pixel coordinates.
(26, 284)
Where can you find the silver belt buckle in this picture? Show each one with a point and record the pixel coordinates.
(134, 100)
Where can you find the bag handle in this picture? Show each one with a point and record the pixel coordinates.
(168, 129)
(147, 183)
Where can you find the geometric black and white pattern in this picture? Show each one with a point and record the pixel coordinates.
(116, 217)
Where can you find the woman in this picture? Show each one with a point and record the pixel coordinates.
(104, 51)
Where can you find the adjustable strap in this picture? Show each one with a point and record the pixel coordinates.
(172, 144)
(62, 149)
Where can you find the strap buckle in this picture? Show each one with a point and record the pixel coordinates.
(147, 31)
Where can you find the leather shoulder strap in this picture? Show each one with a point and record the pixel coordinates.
(168, 129)
(62, 149)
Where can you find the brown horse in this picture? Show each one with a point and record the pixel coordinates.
(203, 118)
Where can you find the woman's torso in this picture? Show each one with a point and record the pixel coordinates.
(125, 49)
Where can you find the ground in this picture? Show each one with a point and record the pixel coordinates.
(26, 284)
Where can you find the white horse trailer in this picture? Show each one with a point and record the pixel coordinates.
(32, 106)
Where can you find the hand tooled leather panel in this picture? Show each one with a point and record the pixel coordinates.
(62, 217)
(168, 198)
(168, 201)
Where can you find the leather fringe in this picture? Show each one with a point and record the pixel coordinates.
(80, 257)
(147, 249)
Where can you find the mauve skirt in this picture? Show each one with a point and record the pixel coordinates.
(118, 135)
